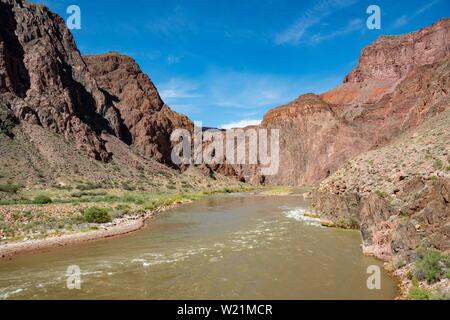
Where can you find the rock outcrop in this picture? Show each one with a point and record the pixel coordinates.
(146, 121)
(44, 80)
(393, 57)
(399, 82)
(398, 195)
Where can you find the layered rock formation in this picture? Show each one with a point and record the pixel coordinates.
(44, 80)
(398, 195)
(146, 121)
(397, 189)
(399, 82)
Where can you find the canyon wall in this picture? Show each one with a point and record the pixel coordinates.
(399, 82)
(44, 80)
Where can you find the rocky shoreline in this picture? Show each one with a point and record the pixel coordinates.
(399, 197)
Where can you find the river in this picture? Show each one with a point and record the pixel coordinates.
(239, 246)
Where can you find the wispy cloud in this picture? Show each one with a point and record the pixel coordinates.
(353, 25)
(404, 19)
(243, 90)
(178, 88)
(427, 6)
(401, 21)
(242, 95)
(175, 22)
(240, 124)
(300, 29)
(186, 108)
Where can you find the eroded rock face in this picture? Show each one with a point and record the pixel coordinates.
(393, 57)
(398, 195)
(313, 140)
(394, 226)
(45, 80)
(399, 83)
(146, 122)
(7, 120)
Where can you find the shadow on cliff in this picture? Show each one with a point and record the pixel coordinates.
(13, 53)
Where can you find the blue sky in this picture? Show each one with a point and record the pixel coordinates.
(229, 61)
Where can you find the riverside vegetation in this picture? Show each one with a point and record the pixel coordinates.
(37, 214)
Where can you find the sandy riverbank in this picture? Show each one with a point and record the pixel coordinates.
(117, 228)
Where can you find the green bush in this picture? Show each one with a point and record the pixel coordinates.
(432, 265)
(42, 200)
(416, 293)
(381, 194)
(438, 164)
(9, 188)
(88, 193)
(96, 215)
(89, 186)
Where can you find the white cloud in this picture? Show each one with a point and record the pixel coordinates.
(172, 23)
(254, 91)
(426, 7)
(300, 29)
(242, 95)
(353, 25)
(240, 124)
(401, 21)
(178, 88)
(186, 108)
(404, 19)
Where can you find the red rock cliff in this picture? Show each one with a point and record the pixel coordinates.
(399, 82)
(45, 80)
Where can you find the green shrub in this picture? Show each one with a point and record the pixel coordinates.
(431, 265)
(9, 188)
(438, 164)
(381, 194)
(96, 215)
(42, 200)
(416, 293)
(122, 207)
(88, 193)
(89, 186)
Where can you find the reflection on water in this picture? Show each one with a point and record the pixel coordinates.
(227, 247)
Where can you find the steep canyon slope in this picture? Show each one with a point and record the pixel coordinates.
(102, 108)
(400, 82)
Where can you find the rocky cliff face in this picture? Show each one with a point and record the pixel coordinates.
(396, 191)
(399, 82)
(398, 195)
(146, 121)
(393, 57)
(44, 80)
